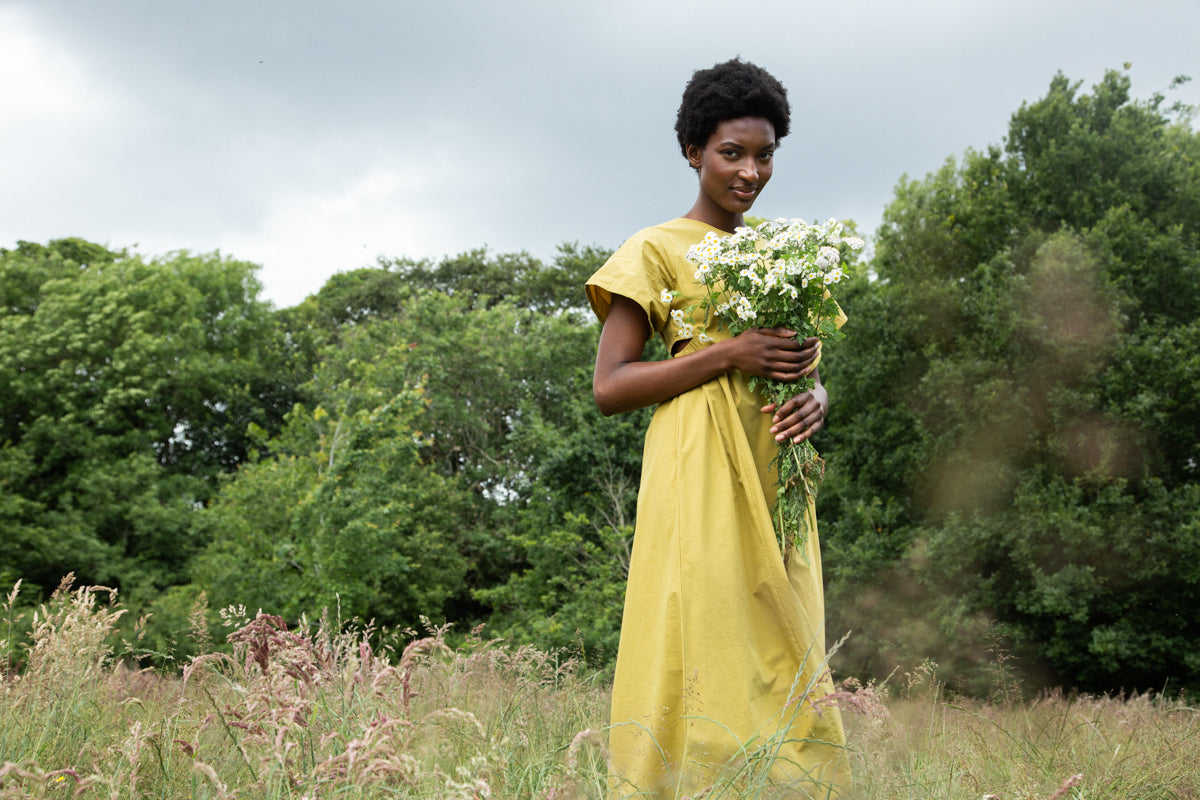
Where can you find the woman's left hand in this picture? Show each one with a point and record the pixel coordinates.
(798, 418)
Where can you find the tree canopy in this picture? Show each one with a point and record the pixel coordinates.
(128, 386)
(1016, 440)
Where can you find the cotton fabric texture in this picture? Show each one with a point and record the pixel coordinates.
(719, 641)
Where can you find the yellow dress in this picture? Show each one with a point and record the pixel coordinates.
(722, 650)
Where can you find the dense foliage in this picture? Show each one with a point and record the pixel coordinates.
(126, 387)
(1013, 451)
(1016, 445)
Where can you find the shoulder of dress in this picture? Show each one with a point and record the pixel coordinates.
(655, 233)
(667, 239)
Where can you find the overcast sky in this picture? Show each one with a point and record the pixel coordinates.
(310, 137)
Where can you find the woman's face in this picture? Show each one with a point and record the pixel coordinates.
(734, 165)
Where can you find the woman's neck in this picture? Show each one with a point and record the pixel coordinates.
(711, 214)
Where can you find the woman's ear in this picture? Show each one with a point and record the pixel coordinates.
(693, 155)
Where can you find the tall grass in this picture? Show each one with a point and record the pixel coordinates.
(316, 711)
(305, 712)
(931, 746)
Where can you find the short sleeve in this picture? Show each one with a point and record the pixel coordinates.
(639, 271)
(839, 321)
(841, 318)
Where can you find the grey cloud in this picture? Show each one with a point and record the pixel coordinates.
(519, 125)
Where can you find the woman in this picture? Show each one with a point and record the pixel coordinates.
(722, 645)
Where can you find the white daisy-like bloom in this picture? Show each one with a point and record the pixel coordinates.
(780, 241)
(723, 309)
(776, 276)
(666, 296)
(704, 337)
(752, 276)
(744, 309)
(677, 317)
(834, 275)
(702, 273)
(801, 233)
(735, 258)
(687, 330)
(773, 227)
(706, 250)
(742, 234)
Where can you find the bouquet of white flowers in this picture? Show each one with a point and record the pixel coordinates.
(777, 276)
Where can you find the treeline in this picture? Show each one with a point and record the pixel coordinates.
(1013, 448)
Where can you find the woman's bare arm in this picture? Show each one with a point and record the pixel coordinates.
(623, 382)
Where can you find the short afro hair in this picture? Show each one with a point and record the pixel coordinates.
(729, 90)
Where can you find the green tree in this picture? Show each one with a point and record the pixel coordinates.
(343, 515)
(507, 475)
(1015, 443)
(515, 278)
(126, 387)
(572, 530)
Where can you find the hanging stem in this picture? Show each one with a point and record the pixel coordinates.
(801, 470)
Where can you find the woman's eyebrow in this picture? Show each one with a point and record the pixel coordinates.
(740, 146)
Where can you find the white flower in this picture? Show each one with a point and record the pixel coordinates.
(792, 266)
(744, 309)
(752, 276)
(827, 257)
(799, 232)
(666, 296)
(854, 242)
(760, 275)
(740, 235)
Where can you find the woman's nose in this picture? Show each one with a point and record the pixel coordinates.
(748, 170)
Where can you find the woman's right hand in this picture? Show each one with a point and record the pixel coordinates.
(774, 353)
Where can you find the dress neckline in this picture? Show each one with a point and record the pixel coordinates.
(704, 224)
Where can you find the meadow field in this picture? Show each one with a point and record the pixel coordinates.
(309, 711)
